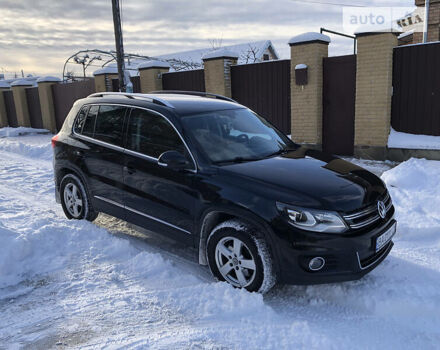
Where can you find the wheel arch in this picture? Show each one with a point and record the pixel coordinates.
(216, 215)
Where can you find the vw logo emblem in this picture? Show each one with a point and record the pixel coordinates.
(381, 209)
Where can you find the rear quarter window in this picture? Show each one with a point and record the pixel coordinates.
(80, 120)
(89, 124)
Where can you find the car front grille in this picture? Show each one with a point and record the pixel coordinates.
(368, 215)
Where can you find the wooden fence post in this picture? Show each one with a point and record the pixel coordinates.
(150, 74)
(307, 50)
(46, 102)
(3, 115)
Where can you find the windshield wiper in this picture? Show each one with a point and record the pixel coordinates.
(279, 152)
(237, 160)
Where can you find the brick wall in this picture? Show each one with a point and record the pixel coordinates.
(306, 101)
(373, 88)
(218, 75)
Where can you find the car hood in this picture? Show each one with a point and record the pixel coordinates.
(310, 178)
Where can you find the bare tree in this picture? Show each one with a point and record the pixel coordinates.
(216, 43)
(250, 55)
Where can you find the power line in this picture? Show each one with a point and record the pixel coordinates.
(326, 3)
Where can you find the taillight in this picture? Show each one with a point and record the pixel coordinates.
(54, 140)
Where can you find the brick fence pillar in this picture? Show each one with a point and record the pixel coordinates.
(47, 103)
(217, 66)
(19, 91)
(374, 81)
(306, 100)
(103, 78)
(150, 74)
(3, 115)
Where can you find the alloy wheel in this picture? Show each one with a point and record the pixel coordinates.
(73, 200)
(235, 261)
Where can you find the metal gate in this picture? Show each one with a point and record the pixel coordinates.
(33, 102)
(339, 89)
(416, 89)
(264, 88)
(10, 108)
(190, 80)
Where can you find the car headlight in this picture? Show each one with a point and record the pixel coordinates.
(314, 220)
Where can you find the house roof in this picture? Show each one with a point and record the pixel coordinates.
(195, 56)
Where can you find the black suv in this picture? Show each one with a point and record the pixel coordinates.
(212, 174)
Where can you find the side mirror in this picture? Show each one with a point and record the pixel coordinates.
(173, 160)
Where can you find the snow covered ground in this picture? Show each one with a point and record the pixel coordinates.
(398, 139)
(69, 284)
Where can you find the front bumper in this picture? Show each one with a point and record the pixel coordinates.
(347, 257)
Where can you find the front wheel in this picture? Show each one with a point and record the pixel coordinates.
(74, 199)
(236, 255)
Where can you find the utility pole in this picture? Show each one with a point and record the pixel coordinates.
(119, 44)
(425, 29)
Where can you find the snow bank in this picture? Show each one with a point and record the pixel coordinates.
(415, 190)
(398, 139)
(21, 130)
(27, 142)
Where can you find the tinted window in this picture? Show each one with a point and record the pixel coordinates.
(109, 124)
(79, 123)
(152, 135)
(235, 135)
(89, 125)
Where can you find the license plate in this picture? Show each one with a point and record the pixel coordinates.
(385, 237)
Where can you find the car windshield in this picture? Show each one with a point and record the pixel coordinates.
(235, 135)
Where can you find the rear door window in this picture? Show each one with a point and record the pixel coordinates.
(151, 134)
(89, 124)
(109, 124)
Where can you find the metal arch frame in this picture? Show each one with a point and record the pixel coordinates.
(175, 63)
(86, 51)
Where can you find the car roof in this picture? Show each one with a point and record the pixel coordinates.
(181, 104)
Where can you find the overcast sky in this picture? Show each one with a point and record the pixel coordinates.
(38, 36)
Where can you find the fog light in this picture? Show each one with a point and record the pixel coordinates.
(316, 264)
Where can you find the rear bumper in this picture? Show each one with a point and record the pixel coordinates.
(346, 257)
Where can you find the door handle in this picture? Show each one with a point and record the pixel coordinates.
(129, 169)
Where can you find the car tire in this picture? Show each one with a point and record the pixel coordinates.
(75, 199)
(238, 254)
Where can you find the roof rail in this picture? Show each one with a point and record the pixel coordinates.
(195, 93)
(129, 95)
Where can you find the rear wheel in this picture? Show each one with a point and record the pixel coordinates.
(75, 200)
(236, 255)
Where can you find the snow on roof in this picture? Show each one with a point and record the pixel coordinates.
(22, 82)
(222, 52)
(301, 66)
(310, 36)
(405, 34)
(4, 84)
(153, 63)
(195, 56)
(48, 78)
(106, 70)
